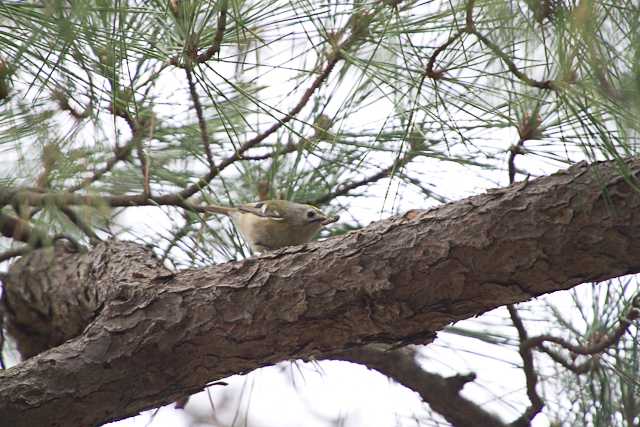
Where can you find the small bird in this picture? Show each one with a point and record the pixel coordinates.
(274, 224)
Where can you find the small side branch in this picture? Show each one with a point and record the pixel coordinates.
(437, 74)
(605, 341)
(529, 371)
(513, 69)
(388, 171)
(306, 96)
(121, 153)
(217, 39)
(63, 102)
(441, 393)
(470, 27)
(79, 222)
(289, 148)
(204, 134)
(192, 54)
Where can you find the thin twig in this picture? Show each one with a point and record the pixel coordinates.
(597, 347)
(192, 56)
(144, 164)
(528, 129)
(237, 155)
(63, 103)
(179, 198)
(542, 84)
(471, 29)
(514, 150)
(121, 154)
(126, 116)
(529, 371)
(582, 368)
(217, 39)
(31, 197)
(593, 349)
(289, 148)
(177, 236)
(430, 72)
(346, 188)
(423, 189)
(78, 222)
(469, 22)
(204, 134)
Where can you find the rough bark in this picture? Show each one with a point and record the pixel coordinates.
(157, 336)
(53, 294)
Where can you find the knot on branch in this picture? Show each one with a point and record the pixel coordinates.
(457, 382)
(52, 294)
(435, 74)
(529, 127)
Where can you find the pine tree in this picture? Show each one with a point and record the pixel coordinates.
(121, 121)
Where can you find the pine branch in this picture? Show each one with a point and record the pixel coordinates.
(442, 394)
(221, 320)
(346, 188)
(606, 341)
(18, 229)
(204, 133)
(529, 372)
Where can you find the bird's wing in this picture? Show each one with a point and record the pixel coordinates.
(262, 209)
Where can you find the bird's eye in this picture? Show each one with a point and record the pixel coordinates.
(311, 214)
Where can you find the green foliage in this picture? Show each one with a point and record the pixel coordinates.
(359, 106)
(607, 392)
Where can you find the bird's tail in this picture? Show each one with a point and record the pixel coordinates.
(224, 210)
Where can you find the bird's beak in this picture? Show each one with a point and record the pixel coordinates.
(330, 220)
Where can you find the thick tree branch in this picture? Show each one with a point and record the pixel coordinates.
(397, 280)
(442, 394)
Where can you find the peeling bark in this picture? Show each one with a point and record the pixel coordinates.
(155, 337)
(53, 294)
